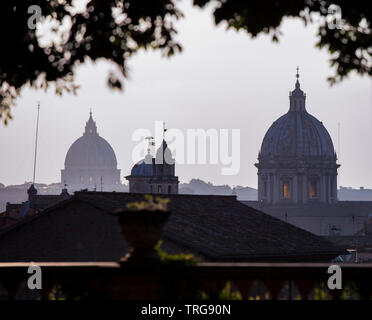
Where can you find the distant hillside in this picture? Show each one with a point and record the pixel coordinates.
(197, 186)
(350, 194)
(18, 193)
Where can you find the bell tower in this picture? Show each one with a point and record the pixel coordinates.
(155, 174)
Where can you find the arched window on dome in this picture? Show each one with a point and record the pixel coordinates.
(169, 189)
(160, 189)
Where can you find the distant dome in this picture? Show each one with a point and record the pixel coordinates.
(154, 174)
(297, 133)
(90, 163)
(143, 167)
(91, 150)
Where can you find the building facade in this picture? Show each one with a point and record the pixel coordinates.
(297, 163)
(91, 163)
(297, 176)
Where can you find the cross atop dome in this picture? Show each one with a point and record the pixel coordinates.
(297, 97)
(297, 77)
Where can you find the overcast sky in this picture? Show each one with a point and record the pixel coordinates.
(222, 79)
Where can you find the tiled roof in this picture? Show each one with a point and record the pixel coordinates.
(44, 201)
(222, 227)
(216, 227)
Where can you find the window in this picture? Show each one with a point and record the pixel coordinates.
(160, 189)
(265, 188)
(286, 190)
(313, 191)
(169, 189)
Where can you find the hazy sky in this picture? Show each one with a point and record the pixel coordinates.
(223, 79)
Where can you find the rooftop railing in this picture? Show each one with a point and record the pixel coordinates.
(202, 280)
(143, 275)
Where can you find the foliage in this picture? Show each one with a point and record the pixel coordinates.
(181, 258)
(350, 43)
(320, 293)
(115, 30)
(229, 293)
(351, 292)
(149, 204)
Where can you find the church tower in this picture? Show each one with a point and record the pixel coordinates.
(297, 163)
(155, 175)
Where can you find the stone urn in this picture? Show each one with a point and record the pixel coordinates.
(142, 229)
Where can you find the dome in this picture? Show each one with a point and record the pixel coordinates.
(297, 133)
(91, 150)
(164, 155)
(297, 163)
(143, 167)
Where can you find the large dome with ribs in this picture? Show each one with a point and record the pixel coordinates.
(297, 133)
(91, 150)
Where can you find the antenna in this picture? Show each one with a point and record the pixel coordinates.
(101, 182)
(36, 137)
(151, 143)
(338, 138)
(339, 148)
(164, 130)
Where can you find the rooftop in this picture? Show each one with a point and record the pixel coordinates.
(218, 228)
